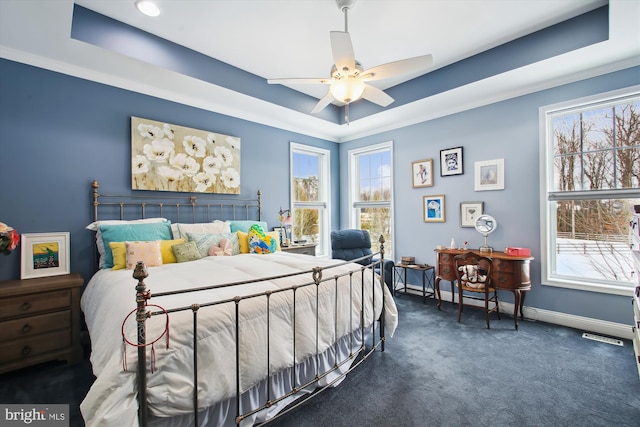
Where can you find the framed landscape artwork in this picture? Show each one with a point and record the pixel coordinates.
(44, 254)
(422, 173)
(166, 157)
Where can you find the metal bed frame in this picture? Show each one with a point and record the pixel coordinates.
(143, 296)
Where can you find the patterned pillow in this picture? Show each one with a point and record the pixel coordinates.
(147, 252)
(187, 251)
(206, 241)
(260, 242)
(224, 248)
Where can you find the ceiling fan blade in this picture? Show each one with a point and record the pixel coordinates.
(326, 100)
(396, 68)
(342, 50)
(294, 81)
(375, 95)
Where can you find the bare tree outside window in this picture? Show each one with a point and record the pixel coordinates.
(594, 150)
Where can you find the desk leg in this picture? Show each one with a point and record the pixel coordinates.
(516, 306)
(438, 291)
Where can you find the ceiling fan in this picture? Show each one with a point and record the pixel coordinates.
(347, 81)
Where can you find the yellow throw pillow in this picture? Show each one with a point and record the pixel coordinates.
(243, 239)
(168, 257)
(119, 255)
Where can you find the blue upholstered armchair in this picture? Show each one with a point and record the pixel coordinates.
(353, 243)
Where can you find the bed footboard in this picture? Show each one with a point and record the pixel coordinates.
(330, 279)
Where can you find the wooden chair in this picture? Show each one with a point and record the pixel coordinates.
(478, 288)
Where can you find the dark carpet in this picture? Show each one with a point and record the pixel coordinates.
(437, 372)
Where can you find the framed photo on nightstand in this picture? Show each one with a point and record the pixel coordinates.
(44, 254)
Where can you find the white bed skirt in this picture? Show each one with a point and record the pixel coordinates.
(223, 414)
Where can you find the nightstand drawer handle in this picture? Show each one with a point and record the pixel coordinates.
(26, 306)
(26, 351)
(26, 328)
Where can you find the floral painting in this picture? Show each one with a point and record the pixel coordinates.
(167, 157)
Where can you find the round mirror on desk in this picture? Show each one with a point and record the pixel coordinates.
(485, 225)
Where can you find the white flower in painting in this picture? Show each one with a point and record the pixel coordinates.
(168, 131)
(225, 155)
(195, 146)
(187, 164)
(234, 143)
(149, 131)
(230, 178)
(203, 181)
(139, 165)
(159, 150)
(172, 174)
(211, 138)
(211, 165)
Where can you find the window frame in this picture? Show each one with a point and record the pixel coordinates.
(354, 205)
(324, 184)
(549, 196)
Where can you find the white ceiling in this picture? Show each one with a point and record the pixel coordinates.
(290, 38)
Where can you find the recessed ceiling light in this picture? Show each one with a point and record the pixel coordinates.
(148, 7)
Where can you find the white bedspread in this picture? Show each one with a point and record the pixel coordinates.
(110, 296)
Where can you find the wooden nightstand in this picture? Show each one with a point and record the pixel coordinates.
(306, 249)
(40, 321)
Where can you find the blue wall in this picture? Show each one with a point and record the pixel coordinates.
(60, 133)
(506, 130)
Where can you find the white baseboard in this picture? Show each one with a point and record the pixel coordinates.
(588, 324)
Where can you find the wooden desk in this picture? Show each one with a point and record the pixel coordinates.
(510, 273)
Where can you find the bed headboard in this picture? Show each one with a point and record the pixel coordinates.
(177, 208)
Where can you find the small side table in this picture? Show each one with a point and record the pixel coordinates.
(400, 278)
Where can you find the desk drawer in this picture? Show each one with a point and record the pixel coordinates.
(34, 303)
(500, 265)
(34, 325)
(25, 348)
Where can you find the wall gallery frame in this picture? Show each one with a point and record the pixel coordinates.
(451, 161)
(422, 173)
(469, 212)
(489, 175)
(433, 208)
(44, 254)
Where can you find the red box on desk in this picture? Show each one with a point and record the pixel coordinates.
(519, 251)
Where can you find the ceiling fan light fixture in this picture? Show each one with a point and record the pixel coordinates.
(347, 89)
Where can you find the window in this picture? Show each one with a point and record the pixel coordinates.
(590, 176)
(310, 185)
(371, 193)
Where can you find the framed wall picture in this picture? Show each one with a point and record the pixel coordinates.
(168, 157)
(44, 254)
(451, 161)
(422, 172)
(489, 175)
(433, 208)
(469, 212)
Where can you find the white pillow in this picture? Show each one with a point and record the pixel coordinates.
(180, 230)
